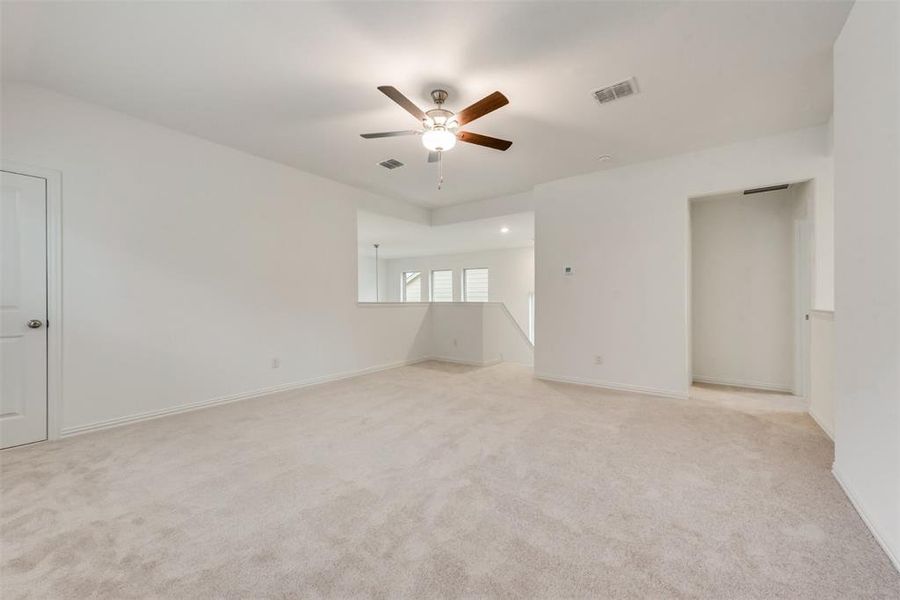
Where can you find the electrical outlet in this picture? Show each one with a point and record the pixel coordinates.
(598, 360)
(276, 362)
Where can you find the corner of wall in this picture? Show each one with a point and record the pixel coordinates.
(865, 514)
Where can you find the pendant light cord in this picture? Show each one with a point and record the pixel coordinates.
(376, 273)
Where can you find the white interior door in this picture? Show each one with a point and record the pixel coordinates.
(23, 310)
(802, 305)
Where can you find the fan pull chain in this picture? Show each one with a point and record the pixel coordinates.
(440, 169)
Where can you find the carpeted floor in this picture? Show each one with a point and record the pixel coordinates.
(440, 481)
(751, 401)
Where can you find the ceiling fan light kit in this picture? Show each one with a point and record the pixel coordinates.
(440, 127)
(438, 139)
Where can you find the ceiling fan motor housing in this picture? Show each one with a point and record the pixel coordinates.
(439, 117)
(439, 96)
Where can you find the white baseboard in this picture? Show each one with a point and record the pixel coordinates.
(858, 505)
(620, 387)
(174, 410)
(821, 423)
(744, 383)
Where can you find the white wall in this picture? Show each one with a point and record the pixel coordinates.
(625, 232)
(479, 333)
(821, 384)
(742, 253)
(503, 340)
(511, 276)
(823, 242)
(483, 209)
(189, 266)
(458, 332)
(367, 281)
(867, 276)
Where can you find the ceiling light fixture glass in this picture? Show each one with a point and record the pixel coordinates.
(504, 230)
(438, 139)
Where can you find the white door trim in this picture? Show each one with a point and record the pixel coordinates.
(808, 281)
(803, 269)
(54, 289)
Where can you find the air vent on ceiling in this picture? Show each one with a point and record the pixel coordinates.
(391, 164)
(770, 188)
(617, 91)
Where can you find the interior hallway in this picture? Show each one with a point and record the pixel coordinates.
(438, 480)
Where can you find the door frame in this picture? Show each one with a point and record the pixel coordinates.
(54, 288)
(801, 349)
(803, 291)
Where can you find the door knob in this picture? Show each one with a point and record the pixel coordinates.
(35, 323)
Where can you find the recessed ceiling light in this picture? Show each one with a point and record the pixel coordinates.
(504, 230)
(603, 157)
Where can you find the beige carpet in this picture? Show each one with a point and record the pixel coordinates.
(746, 400)
(440, 481)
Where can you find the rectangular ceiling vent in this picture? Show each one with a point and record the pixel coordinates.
(617, 91)
(391, 164)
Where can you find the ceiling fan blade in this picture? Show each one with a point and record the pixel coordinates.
(481, 108)
(395, 95)
(382, 134)
(483, 140)
(434, 157)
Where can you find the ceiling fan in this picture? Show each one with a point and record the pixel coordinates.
(440, 127)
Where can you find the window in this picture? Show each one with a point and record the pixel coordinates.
(475, 285)
(411, 287)
(442, 286)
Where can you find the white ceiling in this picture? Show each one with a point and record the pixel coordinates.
(399, 238)
(296, 82)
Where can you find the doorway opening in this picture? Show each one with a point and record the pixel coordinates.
(751, 288)
(487, 260)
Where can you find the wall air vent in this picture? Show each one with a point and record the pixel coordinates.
(391, 164)
(617, 91)
(771, 188)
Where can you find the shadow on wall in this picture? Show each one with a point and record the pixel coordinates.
(422, 340)
(446, 367)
